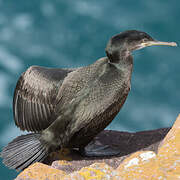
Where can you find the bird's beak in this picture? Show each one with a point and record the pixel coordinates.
(157, 43)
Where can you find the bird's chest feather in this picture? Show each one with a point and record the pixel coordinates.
(101, 97)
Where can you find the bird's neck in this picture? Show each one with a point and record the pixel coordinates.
(122, 60)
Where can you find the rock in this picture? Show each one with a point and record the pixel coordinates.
(100, 171)
(144, 155)
(169, 151)
(149, 165)
(140, 165)
(39, 171)
(127, 142)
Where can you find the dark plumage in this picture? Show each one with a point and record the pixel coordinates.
(69, 107)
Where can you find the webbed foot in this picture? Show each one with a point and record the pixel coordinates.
(95, 149)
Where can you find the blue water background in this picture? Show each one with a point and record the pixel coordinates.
(72, 33)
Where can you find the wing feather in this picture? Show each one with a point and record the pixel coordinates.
(35, 97)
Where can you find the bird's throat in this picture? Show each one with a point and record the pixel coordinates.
(121, 58)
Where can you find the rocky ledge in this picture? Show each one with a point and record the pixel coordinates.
(144, 155)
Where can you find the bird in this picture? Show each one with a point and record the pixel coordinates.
(67, 108)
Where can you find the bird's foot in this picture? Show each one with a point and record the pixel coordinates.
(94, 150)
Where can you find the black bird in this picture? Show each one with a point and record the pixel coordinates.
(67, 108)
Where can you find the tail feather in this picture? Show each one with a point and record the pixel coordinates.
(35, 158)
(23, 151)
(11, 160)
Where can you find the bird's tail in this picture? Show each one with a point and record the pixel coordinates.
(23, 151)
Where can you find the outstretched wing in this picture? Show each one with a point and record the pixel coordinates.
(35, 95)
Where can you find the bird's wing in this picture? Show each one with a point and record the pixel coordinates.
(35, 95)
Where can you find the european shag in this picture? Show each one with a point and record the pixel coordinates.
(67, 108)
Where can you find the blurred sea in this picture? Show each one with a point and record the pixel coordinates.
(70, 33)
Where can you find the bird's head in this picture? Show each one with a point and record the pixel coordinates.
(121, 45)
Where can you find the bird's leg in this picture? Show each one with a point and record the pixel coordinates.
(94, 149)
